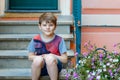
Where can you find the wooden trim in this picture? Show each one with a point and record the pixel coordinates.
(101, 29)
(20, 15)
(100, 11)
(32, 11)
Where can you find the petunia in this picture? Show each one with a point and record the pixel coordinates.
(110, 72)
(85, 54)
(67, 76)
(115, 52)
(76, 54)
(75, 75)
(101, 55)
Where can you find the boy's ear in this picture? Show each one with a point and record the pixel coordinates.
(39, 26)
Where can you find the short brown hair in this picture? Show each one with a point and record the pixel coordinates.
(48, 17)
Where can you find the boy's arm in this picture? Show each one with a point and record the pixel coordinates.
(32, 56)
(63, 52)
(31, 49)
(63, 58)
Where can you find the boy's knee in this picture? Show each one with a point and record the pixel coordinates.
(37, 62)
(50, 60)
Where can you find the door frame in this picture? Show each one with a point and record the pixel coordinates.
(77, 8)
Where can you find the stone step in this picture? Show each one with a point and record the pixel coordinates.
(15, 54)
(21, 41)
(28, 29)
(29, 36)
(19, 58)
(61, 20)
(24, 74)
(31, 26)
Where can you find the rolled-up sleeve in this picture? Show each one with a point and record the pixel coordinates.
(62, 47)
(31, 47)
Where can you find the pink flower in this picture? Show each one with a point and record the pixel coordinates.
(86, 44)
(90, 47)
(114, 45)
(115, 52)
(76, 54)
(85, 53)
(109, 56)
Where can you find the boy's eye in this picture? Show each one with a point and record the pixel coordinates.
(51, 25)
(44, 25)
(47, 25)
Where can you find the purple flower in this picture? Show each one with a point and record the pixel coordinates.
(90, 73)
(91, 78)
(118, 69)
(67, 76)
(109, 56)
(93, 59)
(115, 45)
(100, 59)
(110, 71)
(76, 54)
(75, 75)
(101, 55)
(93, 67)
(115, 52)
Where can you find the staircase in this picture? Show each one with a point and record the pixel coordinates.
(14, 38)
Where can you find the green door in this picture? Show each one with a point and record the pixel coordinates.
(33, 4)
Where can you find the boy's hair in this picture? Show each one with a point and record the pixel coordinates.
(48, 17)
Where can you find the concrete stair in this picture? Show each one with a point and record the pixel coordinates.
(20, 41)
(18, 58)
(23, 74)
(14, 65)
(14, 38)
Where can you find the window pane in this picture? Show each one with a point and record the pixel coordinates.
(33, 4)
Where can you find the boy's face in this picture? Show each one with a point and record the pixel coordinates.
(47, 28)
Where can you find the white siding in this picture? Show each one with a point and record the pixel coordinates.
(101, 19)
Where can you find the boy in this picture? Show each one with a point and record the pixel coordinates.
(47, 50)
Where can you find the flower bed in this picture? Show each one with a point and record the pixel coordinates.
(96, 64)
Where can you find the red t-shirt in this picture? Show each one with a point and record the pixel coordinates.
(42, 47)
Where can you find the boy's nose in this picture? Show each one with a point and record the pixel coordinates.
(48, 26)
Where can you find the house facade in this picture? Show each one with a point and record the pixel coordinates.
(101, 22)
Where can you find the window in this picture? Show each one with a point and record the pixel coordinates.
(33, 4)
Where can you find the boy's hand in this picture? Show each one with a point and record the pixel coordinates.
(45, 55)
